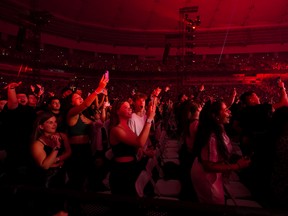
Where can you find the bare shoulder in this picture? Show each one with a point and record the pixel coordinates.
(117, 130)
(37, 144)
(72, 118)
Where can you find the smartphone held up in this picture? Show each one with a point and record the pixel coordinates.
(106, 75)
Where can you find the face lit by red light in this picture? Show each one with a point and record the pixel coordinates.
(77, 99)
(22, 99)
(125, 110)
(49, 126)
(55, 104)
(140, 104)
(224, 114)
(32, 100)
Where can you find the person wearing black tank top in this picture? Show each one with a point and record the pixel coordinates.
(125, 144)
(49, 149)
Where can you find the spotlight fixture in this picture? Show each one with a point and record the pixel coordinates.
(188, 27)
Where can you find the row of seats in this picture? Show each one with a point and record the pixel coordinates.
(237, 194)
(151, 182)
(156, 171)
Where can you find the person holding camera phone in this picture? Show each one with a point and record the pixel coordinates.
(125, 145)
(79, 126)
(213, 152)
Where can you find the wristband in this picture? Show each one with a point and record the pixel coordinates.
(149, 121)
(96, 92)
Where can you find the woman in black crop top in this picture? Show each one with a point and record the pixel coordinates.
(125, 143)
(80, 163)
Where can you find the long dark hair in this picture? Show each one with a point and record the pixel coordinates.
(114, 118)
(209, 125)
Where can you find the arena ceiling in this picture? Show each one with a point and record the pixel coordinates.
(150, 22)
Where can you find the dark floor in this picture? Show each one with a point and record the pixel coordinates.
(21, 201)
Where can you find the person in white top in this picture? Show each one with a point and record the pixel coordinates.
(213, 154)
(137, 122)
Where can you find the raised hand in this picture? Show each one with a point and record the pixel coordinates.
(13, 85)
(102, 84)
